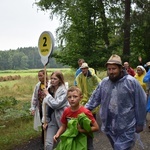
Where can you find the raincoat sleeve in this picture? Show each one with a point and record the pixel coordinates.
(34, 104)
(95, 80)
(92, 70)
(140, 104)
(79, 81)
(147, 77)
(95, 99)
(34, 100)
(57, 101)
(146, 80)
(37, 121)
(76, 74)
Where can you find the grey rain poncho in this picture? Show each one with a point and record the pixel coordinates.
(122, 108)
(58, 103)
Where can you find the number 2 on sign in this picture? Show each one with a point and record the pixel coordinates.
(45, 40)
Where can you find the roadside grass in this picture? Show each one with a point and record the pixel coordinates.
(16, 123)
(20, 89)
(19, 132)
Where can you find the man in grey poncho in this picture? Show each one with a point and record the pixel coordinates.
(123, 105)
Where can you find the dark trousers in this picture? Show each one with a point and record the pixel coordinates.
(42, 132)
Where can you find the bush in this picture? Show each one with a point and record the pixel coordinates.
(12, 110)
(7, 102)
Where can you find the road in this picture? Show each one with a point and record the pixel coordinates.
(100, 141)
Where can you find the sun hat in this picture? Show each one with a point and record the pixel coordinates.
(84, 65)
(114, 59)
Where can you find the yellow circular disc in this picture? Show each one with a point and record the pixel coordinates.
(45, 44)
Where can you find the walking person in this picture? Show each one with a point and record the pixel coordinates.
(140, 73)
(129, 69)
(55, 98)
(123, 103)
(78, 122)
(87, 83)
(79, 70)
(36, 103)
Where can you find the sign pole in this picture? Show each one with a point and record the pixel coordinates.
(45, 48)
(44, 113)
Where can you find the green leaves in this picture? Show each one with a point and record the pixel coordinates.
(7, 102)
(12, 109)
(95, 29)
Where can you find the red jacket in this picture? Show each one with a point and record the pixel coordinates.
(131, 71)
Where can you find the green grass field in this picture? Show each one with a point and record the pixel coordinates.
(30, 72)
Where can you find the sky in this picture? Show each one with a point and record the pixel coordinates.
(21, 24)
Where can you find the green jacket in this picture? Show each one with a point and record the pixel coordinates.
(87, 84)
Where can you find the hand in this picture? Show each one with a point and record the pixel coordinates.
(33, 112)
(55, 138)
(80, 129)
(45, 91)
(140, 59)
(45, 126)
(139, 129)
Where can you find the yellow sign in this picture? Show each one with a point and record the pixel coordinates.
(45, 46)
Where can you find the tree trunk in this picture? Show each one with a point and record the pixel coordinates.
(126, 46)
(104, 22)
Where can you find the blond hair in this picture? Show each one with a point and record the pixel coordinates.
(74, 88)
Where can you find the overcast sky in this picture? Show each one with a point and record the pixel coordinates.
(21, 24)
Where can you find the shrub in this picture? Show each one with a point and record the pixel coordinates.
(12, 110)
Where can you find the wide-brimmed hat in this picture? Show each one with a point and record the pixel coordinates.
(114, 59)
(84, 65)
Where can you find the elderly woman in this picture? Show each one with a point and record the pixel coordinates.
(140, 73)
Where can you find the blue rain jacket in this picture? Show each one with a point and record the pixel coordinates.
(123, 108)
(146, 80)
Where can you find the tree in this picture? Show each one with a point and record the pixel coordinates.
(95, 29)
(24, 58)
(140, 28)
(24, 62)
(80, 35)
(126, 46)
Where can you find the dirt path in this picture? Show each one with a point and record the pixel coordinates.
(100, 141)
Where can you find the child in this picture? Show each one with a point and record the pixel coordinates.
(74, 96)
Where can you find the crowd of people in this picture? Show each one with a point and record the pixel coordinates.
(67, 115)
